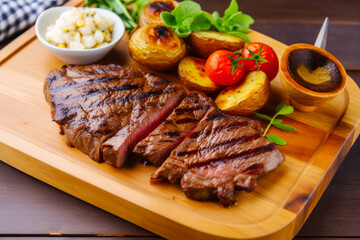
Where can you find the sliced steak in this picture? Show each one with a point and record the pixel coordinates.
(156, 147)
(93, 103)
(223, 154)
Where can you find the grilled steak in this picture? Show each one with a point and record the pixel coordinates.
(221, 155)
(93, 103)
(156, 147)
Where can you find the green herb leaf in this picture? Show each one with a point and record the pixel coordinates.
(168, 19)
(240, 19)
(285, 110)
(232, 9)
(186, 10)
(200, 22)
(280, 106)
(277, 121)
(284, 127)
(240, 35)
(275, 139)
(261, 116)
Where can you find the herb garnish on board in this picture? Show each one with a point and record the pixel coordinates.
(281, 109)
(188, 17)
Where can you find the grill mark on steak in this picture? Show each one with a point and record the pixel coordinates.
(218, 129)
(84, 99)
(65, 110)
(215, 116)
(186, 120)
(161, 82)
(155, 92)
(172, 134)
(242, 155)
(91, 92)
(102, 79)
(225, 144)
(180, 111)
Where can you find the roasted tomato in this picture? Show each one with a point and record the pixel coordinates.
(224, 68)
(259, 56)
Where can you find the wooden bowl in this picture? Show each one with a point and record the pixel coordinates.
(310, 75)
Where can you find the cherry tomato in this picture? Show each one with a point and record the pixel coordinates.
(224, 68)
(259, 56)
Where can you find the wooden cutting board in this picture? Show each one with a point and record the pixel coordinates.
(276, 209)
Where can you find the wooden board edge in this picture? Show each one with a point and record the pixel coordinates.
(322, 185)
(73, 185)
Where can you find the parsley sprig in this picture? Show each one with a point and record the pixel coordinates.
(281, 109)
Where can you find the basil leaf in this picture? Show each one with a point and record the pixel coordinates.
(275, 139)
(200, 23)
(285, 110)
(284, 127)
(168, 19)
(186, 10)
(240, 19)
(240, 35)
(232, 9)
(239, 28)
(277, 121)
(183, 33)
(215, 15)
(261, 116)
(280, 106)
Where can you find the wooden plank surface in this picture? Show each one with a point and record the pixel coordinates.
(289, 30)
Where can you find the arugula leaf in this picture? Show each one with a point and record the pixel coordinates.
(119, 7)
(138, 6)
(275, 139)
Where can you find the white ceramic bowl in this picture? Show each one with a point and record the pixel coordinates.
(73, 56)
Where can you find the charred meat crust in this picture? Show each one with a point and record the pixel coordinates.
(156, 147)
(92, 103)
(222, 155)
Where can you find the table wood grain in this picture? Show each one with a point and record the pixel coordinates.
(30, 209)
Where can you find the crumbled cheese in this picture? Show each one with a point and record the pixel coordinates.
(80, 29)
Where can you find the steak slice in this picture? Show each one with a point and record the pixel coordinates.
(223, 154)
(92, 103)
(156, 147)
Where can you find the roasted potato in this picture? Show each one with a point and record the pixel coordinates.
(156, 47)
(151, 12)
(192, 73)
(246, 97)
(204, 43)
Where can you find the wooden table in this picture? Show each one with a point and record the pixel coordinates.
(30, 209)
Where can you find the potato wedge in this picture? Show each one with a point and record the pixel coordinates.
(246, 97)
(192, 73)
(204, 43)
(156, 47)
(152, 11)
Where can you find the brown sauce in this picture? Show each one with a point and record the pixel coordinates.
(314, 71)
